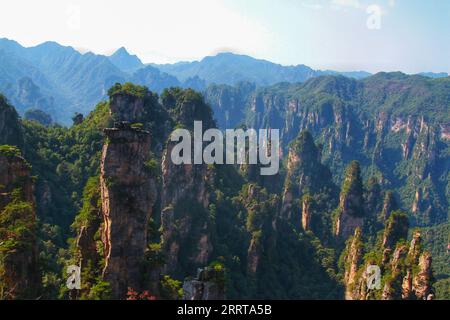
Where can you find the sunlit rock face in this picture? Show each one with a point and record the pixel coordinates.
(128, 194)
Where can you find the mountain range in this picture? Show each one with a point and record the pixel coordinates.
(61, 81)
(230, 68)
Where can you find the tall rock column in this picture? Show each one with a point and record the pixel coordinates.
(184, 218)
(306, 175)
(422, 286)
(389, 205)
(396, 228)
(353, 259)
(405, 270)
(186, 191)
(350, 213)
(128, 192)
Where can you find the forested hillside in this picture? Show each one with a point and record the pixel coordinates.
(364, 180)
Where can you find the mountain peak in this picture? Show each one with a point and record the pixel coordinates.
(126, 62)
(6, 40)
(231, 56)
(121, 51)
(10, 45)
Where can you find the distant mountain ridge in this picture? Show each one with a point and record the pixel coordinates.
(61, 81)
(230, 68)
(73, 81)
(434, 74)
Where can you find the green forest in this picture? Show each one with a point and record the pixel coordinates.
(355, 189)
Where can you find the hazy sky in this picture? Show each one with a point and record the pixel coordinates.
(372, 35)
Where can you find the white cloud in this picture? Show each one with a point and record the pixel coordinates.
(157, 31)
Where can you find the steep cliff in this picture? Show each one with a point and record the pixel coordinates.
(228, 102)
(307, 212)
(186, 188)
(19, 268)
(350, 213)
(395, 125)
(405, 269)
(10, 128)
(261, 210)
(114, 221)
(128, 193)
(396, 228)
(389, 205)
(88, 249)
(306, 175)
(373, 197)
(185, 216)
(208, 285)
(352, 261)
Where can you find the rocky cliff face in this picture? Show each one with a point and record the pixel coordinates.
(19, 269)
(208, 285)
(402, 141)
(389, 205)
(396, 229)
(306, 176)
(89, 230)
(128, 194)
(307, 213)
(129, 176)
(261, 224)
(422, 288)
(10, 129)
(417, 284)
(350, 213)
(305, 173)
(228, 103)
(127, 107)
(352, 261)
(405, 268)
(411, 274)
(186, 191)
(184, 218)
(373, 197)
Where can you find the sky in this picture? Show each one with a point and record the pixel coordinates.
(344, 35)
